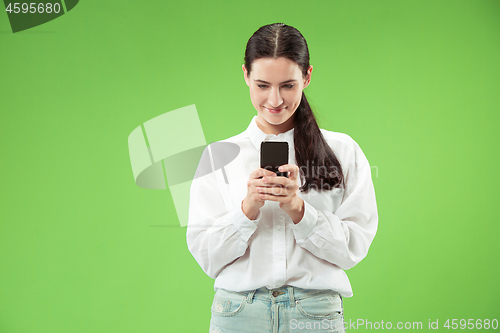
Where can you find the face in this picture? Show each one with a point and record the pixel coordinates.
(276, 86)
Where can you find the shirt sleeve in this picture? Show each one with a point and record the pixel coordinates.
(216, 234)
(343, 237)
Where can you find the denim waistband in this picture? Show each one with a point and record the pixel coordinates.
(281, 294)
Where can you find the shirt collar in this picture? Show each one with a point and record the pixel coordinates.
(256, 135)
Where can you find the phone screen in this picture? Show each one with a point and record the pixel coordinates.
(272, 155)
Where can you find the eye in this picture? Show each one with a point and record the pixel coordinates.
(289, 86)
(262, 86)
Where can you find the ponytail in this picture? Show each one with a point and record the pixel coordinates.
(319, 167)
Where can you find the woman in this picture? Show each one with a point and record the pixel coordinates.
(277, 247)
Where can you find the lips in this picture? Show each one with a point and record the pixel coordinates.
(275, 110)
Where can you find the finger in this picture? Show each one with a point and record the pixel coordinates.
(277, 198)
(276, 190)
(279, 181)
(269, 197)
(255, 174)
(293, 170)
(264, 182)
(260, 172)
(274, 180)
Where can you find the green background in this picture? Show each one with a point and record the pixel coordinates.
(415, 83)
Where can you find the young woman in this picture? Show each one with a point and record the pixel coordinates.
(277, 247)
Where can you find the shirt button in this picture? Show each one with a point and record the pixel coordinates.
(280, 258)
(278, 227)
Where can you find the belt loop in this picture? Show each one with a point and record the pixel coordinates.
(291, 296)
(250, 296)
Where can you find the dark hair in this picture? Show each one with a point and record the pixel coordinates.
(311, 150)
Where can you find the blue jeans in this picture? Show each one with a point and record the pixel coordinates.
(282, 310)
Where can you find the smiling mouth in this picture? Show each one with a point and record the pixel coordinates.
(275, 110)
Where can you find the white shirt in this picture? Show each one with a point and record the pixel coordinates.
(334, 234)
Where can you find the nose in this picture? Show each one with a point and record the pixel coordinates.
(275, 99)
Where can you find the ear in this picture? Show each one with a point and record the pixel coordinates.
(307, 79)
(245, 75)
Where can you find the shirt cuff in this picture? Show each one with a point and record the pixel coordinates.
(305, 226)
(243, 224)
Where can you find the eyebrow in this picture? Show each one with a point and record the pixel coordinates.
(270, 83)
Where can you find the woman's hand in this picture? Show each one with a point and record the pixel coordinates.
(253, 202)
(283, 190)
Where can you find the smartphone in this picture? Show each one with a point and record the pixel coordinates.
(274, 154)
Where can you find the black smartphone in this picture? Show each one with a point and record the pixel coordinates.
(274, 154)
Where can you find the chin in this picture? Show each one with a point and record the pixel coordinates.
(276, 120)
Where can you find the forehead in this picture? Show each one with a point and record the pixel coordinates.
(275, 70)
